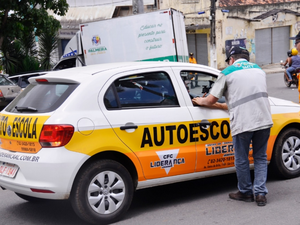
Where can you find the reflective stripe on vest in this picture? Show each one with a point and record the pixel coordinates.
(248, 98)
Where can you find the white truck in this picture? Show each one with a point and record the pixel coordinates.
(154, 36)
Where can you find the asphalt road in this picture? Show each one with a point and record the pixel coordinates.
(277, 88)
(196, 202)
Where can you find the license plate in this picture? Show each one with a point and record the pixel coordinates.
(8, 169)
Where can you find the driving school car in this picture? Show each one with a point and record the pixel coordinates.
(95, 134)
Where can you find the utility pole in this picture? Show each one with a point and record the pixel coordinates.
(213, 59)
(137, 6)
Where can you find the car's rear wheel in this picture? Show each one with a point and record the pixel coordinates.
(102, 192)
(30, 198)
(286, 154)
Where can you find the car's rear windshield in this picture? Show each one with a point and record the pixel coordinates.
(41, 98)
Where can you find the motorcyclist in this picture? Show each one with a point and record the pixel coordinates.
(293, 62)
(297, 45)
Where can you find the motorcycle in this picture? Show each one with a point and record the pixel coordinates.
(295, 77)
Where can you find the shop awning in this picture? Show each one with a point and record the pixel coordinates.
(78, 15)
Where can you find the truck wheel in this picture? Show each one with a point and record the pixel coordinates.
(288, 84)
(286, 154)
(102, 192)
(31, 199)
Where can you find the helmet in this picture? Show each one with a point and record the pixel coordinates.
(289, 53)
(294, 51)
(235, 50)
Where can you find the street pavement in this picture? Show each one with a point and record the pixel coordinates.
(272, 68)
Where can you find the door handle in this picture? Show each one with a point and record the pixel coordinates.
(203, 123)
(126, 127)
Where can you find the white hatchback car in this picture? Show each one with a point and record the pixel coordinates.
(95, 134)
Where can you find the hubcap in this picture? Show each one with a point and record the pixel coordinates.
(291, 153)
(106, 192)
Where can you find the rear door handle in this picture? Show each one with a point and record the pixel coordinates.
(126, 127)
(203, 123)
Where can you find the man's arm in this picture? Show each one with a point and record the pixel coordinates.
(218, 105)
(290, 62)
(209, 101)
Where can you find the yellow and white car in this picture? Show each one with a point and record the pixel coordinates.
(95, 134)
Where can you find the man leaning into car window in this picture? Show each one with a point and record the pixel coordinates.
(244, 87)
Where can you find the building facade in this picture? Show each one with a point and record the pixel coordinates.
(212, 26)
(263, 27)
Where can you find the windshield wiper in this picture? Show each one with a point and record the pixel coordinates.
(25, 109)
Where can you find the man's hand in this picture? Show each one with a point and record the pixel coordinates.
(210, 102)
(198, 101)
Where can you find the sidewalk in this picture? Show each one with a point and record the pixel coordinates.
(272, 68)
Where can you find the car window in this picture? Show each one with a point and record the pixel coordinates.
(141, 90)
(198, 83)
(24, 82)
(65, 64)
(5, 81)
(15, 79)
(41, 97)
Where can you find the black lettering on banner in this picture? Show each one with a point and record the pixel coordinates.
(16, 127)
(3, 125)
(224, 149)
(33, 133)
(181, 132)
(13, 127)
(214, 136)
(205, 132)
(224, 124)
(146, 138)
(22, 127)
(218, 149)
(25, 128)
(230, 148)
(207, 151)
(185, 132)
(28, 128)
(193, 132)
(171, 129)
(162, 139)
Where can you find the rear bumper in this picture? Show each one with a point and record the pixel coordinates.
(52, 171)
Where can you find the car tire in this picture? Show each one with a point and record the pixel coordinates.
(31, 199)
(286, 154)
(102, 192)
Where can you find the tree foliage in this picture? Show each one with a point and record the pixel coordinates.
(27, 16)
(20, 21)
(48, 42)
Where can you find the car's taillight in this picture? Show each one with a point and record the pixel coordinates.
(56, 135)
(41, 80)
(1, 94)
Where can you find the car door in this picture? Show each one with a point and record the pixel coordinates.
(8, 88)
(214, 142)
(148, 113)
